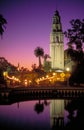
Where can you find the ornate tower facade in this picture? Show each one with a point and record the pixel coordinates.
(57, 43)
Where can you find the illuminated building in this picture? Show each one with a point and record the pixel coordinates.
(57, 43)
(59, 60)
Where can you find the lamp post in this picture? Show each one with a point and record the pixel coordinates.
(68, 70)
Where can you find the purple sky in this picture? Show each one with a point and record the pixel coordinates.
(29, 26)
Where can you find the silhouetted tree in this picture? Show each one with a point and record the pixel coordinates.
(76, 112)
(46, 103)
(78, 75)
(2, 24)
(39, 52)
(46, 56)
(34, 67)
(75, 36)
(2, 80)
(39, 107)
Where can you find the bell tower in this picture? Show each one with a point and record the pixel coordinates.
(57, 43)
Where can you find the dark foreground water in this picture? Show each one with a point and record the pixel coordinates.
(56, 114)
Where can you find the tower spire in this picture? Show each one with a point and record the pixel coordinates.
(56, 5)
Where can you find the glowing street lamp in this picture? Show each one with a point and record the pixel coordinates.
(67, 69)
(25, 82)
(54, 74)
(47, 76)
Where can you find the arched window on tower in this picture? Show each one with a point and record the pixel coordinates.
(57, 20)
(54, 39)
(56, 28)
(54, 20)
(57, 39)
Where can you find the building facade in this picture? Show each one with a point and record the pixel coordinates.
(57, 43)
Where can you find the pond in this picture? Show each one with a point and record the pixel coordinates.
(43, 115)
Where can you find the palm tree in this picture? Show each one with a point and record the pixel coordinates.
(47, 65)
(39, 52)
(46, 56)
(2, 24)
(39, 107)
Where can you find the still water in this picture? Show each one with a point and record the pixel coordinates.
(43, 115)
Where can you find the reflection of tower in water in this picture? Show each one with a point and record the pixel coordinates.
(57, 113)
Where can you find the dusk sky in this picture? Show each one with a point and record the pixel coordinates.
(29, 25)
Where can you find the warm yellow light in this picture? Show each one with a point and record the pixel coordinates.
(67, 69)
(62, 75)
(13, 77)
(42, 77)
(47, 76)
(25, 82)
(5, 73)
(58, 78)
(29, 81)
(54, 74)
